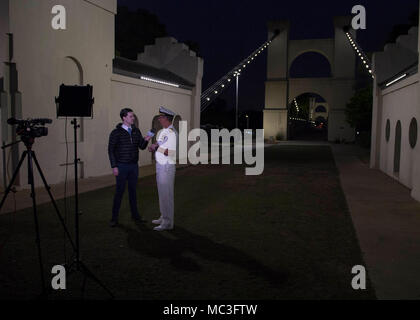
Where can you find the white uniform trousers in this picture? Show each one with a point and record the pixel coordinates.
(165, 178)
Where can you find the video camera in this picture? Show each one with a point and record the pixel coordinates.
(30, 128)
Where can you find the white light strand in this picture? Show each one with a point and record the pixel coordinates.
(395, 80)
(159, 81)
(213, 91)
(359, 52)
(297, 107)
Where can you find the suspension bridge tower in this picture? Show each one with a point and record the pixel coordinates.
(281, 89)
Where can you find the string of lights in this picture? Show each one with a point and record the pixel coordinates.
(208, 96)
(359, 52)
(297, 107)
(297, 112)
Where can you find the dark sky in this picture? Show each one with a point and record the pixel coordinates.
(228, 31)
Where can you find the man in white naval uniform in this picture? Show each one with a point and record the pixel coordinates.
(165, 155)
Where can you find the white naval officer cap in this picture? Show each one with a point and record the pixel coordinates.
(166, 112)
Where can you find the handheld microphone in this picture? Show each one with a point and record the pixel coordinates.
(151, 133)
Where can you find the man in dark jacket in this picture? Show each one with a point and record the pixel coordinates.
(123, 150)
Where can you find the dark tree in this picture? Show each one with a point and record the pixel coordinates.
(134, 30)
(359, 110)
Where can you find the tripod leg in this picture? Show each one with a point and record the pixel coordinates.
(9, 187)
(38, 240)
(48, 188)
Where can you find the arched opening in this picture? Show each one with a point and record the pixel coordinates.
(320, 109)
(412, 133)
(310, 65)
(397, 148)
(73, 71)
(301, 124)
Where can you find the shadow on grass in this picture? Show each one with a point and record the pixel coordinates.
(177, 243)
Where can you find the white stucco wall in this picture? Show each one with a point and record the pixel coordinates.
(400, 102)
(40, 54)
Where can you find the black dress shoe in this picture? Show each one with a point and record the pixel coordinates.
(113, 223)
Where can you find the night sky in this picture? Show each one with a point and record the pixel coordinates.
(228, 31)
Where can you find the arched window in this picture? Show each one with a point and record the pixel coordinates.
(412, 134)
(310, 65)
(387, 130)
(72, 71)
(397, 147)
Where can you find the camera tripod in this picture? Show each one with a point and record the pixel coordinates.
(76, 264)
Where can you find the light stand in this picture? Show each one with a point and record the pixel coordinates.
(77, 101)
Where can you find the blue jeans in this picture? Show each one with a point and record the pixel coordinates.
(127, 172)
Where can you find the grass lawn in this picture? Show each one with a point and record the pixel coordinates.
(286, 234)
